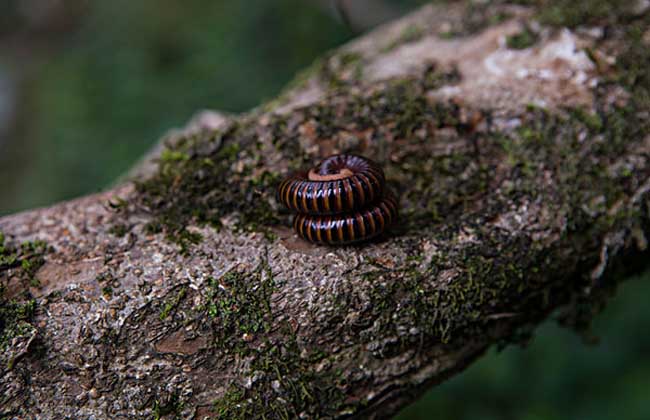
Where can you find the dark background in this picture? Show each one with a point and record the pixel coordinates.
(87, 87)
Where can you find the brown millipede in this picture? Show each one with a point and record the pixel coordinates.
(339, 184)
(340, 201)
(346, 228)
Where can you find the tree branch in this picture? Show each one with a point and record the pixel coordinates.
(521, 152)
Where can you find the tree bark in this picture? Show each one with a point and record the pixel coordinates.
(518, 142)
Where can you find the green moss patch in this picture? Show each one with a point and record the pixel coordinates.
(203, 179)
(172, 303)
(15, 318)
(23, 260)
(239, 302)
(408, 35)
(340, 70)
(119, 230)
(282, 385)
(591, 12)
(521, 40)
(496, 279)
(18, 261)
(281, 382)
(170, 409)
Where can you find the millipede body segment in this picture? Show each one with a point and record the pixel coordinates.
(340, 201)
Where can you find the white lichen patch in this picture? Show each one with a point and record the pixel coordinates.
(554, 72)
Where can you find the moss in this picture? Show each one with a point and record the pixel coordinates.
(24, 260)
(107, 291)
(405, 305)
(15, 320)
(119, 230)
(430, 188)
(617, 127)
(171, 304)
(410, 34)
(447, 34)
(521, 40)
(340, 70)
(282, 382)
(232, 404)
(239, 302)
(204, 179)
(20, 262)
(592, 120)
(170, 156)
(434, 190)
(200, 182)
(633, 73)
(478, 16)
(171, 409)
(105, 277)
(590, 12)
(285, 388)
(283, 385)
(117, 204)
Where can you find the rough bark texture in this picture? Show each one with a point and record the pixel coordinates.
(519, 142)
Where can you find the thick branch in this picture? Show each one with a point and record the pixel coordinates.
(520, 150)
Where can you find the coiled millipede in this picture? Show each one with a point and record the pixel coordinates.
(340, 201)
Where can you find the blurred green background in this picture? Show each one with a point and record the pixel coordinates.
(87, 87)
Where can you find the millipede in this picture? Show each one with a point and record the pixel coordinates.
(341, 200)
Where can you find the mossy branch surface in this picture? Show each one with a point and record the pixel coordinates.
(185, 295)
